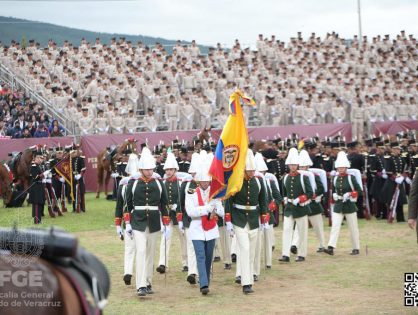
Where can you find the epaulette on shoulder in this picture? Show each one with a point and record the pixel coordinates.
(405, 154)
(82, 156)
(33, 164)
(387, 156)
(372, 155)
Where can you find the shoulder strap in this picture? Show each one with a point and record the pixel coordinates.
(284, 179)
(199, 197)
(335, 180)
(302, 182)
(350, 182)
(159, 186)
(134, 186)
(258, 183)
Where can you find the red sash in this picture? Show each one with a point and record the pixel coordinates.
(206, 223)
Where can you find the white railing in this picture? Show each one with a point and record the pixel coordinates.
(18, 84)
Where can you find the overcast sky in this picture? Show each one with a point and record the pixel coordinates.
(212, 21)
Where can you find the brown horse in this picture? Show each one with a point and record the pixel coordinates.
(5, 184)
(106, 162)
(21, 167)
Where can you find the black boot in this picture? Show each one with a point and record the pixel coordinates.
(238, 280)
(204, 290)
(127, 279)
(161, 269)
(185, 269)
(142, 291)
(149, 289)
(227, 266)
(234, 258)
(294, 250)
(329, 250)
(355, 252)
(246, 289)
(284, 259)
(300, 259)
(191, 279)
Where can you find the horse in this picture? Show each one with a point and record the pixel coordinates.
(6, 179)
(106, 162)
(71, 282)
(20, 166)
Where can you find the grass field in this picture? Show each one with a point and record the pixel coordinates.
(366, 284)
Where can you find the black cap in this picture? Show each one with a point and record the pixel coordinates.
(352, 144)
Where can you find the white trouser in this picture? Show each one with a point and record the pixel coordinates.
(234, 245)
(129, 254)
(224, 241)
(163, 243)
(145, 251)
(246, 242)
(191, 256)
(318, 226)
(302, 226)
(257, 258)
(337, 219)
(269, 239)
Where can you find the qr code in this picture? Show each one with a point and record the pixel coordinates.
(411, 289)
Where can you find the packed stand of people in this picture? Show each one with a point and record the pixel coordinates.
(22, 118)
(125, 87)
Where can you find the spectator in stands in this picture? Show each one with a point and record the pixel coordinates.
(59, 128)
(3, 131)
(26, 133)
(41, 131)
(16, 131)
(56, 132)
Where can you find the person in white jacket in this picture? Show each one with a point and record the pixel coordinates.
(203, 230)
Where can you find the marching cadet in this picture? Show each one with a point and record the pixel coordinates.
(36, 192)
(188, 186)
(244, 212)
(85, 123)
(79, 188)
(101, 123)
(395, 167)
(58, 181)
(297, 193)
(183, 162)
(172, 184)
(117, 122)
(203, 230)
(172, 113)
(131, 122)
(128, 239)
(146, 198)
(316, 209)
(346, 190)
(274, 198)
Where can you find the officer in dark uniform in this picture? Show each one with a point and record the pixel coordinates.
(395, 167)
(379, 177)
(36, 192)
(79, 188)
(357, 161)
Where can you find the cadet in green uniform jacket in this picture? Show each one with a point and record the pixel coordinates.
(346, 191)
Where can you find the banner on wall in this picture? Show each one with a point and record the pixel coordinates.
(92, 145)
(393, 127)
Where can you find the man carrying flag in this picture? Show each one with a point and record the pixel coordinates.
(245, 198)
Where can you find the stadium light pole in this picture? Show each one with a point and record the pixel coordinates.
(360, 35)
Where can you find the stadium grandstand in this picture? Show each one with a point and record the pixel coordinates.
(125, 87)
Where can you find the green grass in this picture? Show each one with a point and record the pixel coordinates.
(367, 284)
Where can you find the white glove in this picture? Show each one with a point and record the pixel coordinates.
(166, 230)
(384, 175)
(335, 196)
(114, 175)
(333, 173)
(318, 199)
(128, 229)
(181, 226)
(46, 173)
(346, 196)
(408, 180)
(383, 171)
(266, 226)
(229, 227)
(173, 207)
(119, 230)
(296, 201)
(399, 180)
(77, 177)
(62, 179)
(44, 181)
